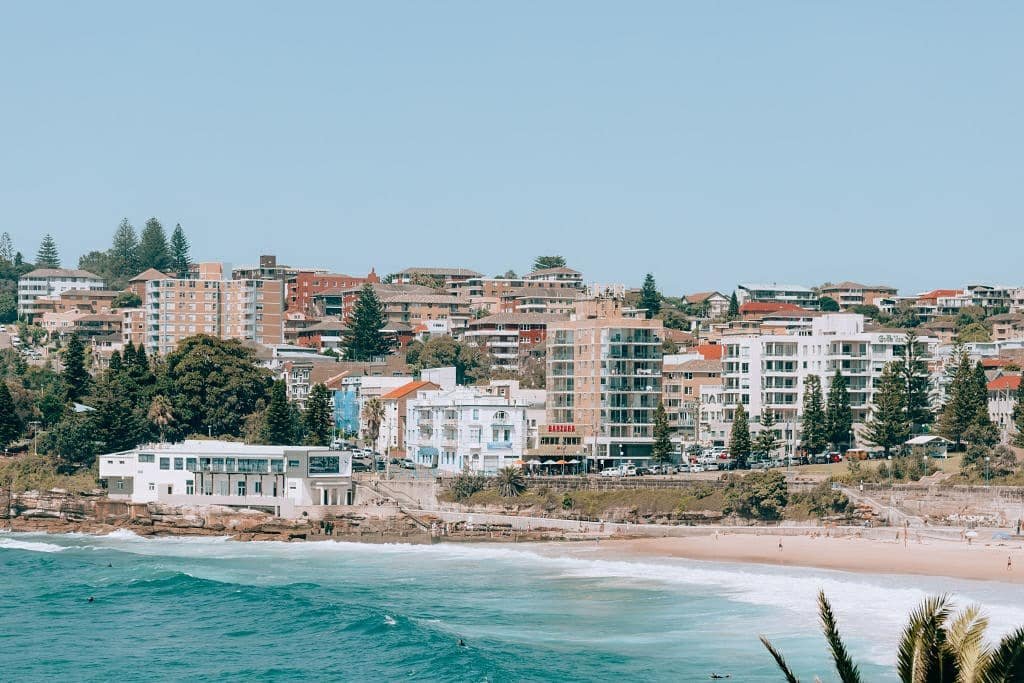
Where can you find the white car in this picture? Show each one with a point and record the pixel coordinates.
(611, 472)
(696, 468)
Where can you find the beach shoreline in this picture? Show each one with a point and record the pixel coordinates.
(980, 560)
(984, 560)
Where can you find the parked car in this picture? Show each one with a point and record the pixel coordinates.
(610, 472)
(711, 466)
(362, 465)
(407, 464)
(696, 467)
(683, 468)
(820, 458)
(629, 470)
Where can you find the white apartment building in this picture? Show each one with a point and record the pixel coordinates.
(1002, 399)
(773, 293)
(769, 370)
(51, 282)
(278, 479)
(465, 428)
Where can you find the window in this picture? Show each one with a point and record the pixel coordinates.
(241, 488)
(190, 464)
(324, 464)
(179, 463)
(190, 487)
(146, 457)
(257, 488)
(165, 463)
(293, 463)
(152, 486)
(476, 413)
(120, 484)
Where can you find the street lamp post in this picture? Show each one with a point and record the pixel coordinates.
(987, 459)
(892, 484)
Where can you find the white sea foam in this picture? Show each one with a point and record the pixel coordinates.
(16, 544)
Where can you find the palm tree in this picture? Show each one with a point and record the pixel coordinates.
(511, 482)
(373, 416)
(933, 649)
(161, 413)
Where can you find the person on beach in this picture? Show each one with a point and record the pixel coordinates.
(780, 545)
(1009, 563)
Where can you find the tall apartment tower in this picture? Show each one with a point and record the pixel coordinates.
(604, 380)
(245, 309)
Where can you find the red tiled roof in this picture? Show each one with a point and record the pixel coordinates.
(710, 351)
(406, 389)
(995, 362)
(765, 307)
(936, 293)
(1011, 382)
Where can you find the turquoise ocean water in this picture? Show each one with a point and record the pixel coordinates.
(211, 609)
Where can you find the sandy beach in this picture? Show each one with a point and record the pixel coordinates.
(982, 560)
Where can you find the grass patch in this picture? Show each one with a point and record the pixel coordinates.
(39, 473)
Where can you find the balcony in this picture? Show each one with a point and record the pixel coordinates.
(499, 445)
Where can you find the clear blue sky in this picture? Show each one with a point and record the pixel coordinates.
(708, 143)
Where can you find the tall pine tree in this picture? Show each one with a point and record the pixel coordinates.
(10, 424)
(838, 414)
(767, 440)
(180, 259)
(734, 306)
(363, 339)
(739, 437)
(124, 253)
(278, 425)
(961, 407)
(662, 448)
(318, 418)
(153, 249)
(650, 299)
(76, 377)
(913, 373)
(814, 435)
(47, 256)
(889, 423)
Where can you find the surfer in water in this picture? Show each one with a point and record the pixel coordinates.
(461, 643)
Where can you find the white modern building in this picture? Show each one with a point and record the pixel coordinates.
(51, 282)
(774, 293)
(465, 428)
(769, 370)
(278, 479)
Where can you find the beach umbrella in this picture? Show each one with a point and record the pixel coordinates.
(549, 462)
(574, 461)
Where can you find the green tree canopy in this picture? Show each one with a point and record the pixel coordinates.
(213, 384)
(650, 298)
(734, 306)
(179, 248)
(471, 364)
(814, 432)
(124, 253)
(828, 304)
(76, 377)
(11, 425)
(545, 262)
(758, 495)
(662, 448)
(154, 251)
(838, 414)
(888, 426)
(126, 300)
(767, 440)
(961, 407)
(364, 338)
(317, 419)
(912, 371)
(739, 437)
(47, 256)
(279, 426)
